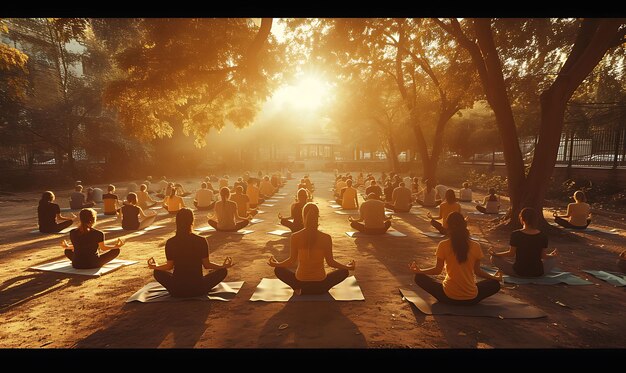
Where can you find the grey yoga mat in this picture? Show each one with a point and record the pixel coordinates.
(498, 305)
(154, 292)
(613, 278)
(551, 278)
(65, 266)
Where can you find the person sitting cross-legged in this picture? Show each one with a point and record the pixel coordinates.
(309, 248)
(48, 213)
(186, 254)
(131, 213)
(226, 214)
(578, 213)
(401, 199)
(460, 256)
(77, 199)
(372, 214)
(349, 199)
(491, 203)
(204, 198)
(445, 208)
(294, 222)
(243, 202)
(86, 241)
(528, 248)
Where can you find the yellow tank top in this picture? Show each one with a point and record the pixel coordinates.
(310, 264)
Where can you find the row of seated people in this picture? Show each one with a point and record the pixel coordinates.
(458, 254)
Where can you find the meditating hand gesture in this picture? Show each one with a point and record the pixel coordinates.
(228, 262)
(498, 276)
(414, 268)
(429, 215)
(119, 243)
(152, 264)
(280, 215)
(272, 261)
(65, 245)
(351, 265)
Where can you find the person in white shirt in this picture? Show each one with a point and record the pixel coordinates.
(408, 181)
(143, 198)
(204, 198)
(401, 199)
(578, 213)
(491, 203)
(441, 191)
(163, 183)
(465, 194)
(372, 214)
(429, 196)
(225, 214)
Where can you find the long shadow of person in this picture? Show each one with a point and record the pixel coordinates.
(22, 289)
(167, 324)
(311, 325)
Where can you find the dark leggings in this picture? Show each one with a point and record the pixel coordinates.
(483, 209)
(209, 207)
(438, 226)
(58, 227)
(486, 288)
(239, 225)
(566, 224)
(178, 290)
(102, 259)
(392, 207)
(362, 228)
(311, 287)
(291, 225)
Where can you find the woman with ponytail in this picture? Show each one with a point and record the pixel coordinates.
(309, 249)
(226, 214)
(49, 212)
(461, 257)
(186, 254)
(86, 240)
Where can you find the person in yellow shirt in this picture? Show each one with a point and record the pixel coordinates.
(243, 202)
(578, 213)
(309, 249)
(252, 191)
(460, 256)
(349, 197)
(445, 208)
(173, 203)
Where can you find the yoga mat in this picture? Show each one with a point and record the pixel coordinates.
(64, 231)
(498, 305)
(155, 292)
(280, 232)
(335, 206)
(432, 234)
(480, 213)
(388, 233)
(551, 278)
(343, 212)
(65, 266)
(267, 205)
(241, 232)
(279, 197)
(613, 278)
(271, 200)
(274, 290)
(588, 229)
(204, 229)
(255, 221)
(260, 212)
(281, 194)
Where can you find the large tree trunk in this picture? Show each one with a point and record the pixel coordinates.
(393, 155)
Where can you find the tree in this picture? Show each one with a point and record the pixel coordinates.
(593, 39)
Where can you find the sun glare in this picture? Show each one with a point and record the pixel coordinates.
(308, 93)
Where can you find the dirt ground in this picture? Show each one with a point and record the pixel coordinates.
(41, 309)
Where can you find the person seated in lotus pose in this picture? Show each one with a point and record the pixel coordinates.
(252, 191)
(401, 199)
(445, 208)
(429, 194)
(186, 254)
(86, 241)
(131, 213)
(372, 214)
(111, 201)
(49, 212)
(578, 213)
(144, 200)
(374, 188)
(266, 190)
(465, 194)
(528, 247)
(460, 256)
(349, 197)
(77, 199)
(226, 214)
(204, 198)
(172, 203)
(309, 248)
(294, 222)
(491, 203)
(243, 202)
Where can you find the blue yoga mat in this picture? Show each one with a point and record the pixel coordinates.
(551, 278)
(613, 278)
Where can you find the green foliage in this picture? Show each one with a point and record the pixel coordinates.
(482, 181)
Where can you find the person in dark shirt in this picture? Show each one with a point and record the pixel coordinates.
(77, 199)
(83, 251)
(48, 213)
(374, 188)
(186, 254)
(388, 191)
(130, 213)
(296, 212)
(528, 247)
